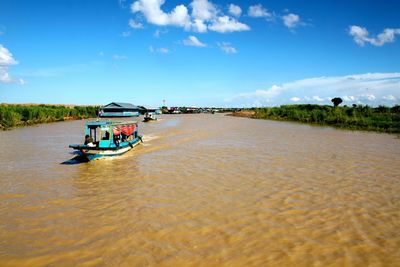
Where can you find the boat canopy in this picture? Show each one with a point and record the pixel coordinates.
(93, 124)
(125, 129)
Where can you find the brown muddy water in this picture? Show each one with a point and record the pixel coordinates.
(202, 190)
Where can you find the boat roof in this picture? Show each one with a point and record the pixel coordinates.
(109, 123)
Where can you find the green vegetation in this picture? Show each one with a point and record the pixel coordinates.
(21, 115)
(357, 117)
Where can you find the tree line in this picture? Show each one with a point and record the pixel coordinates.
(360, 117)
(21, 115)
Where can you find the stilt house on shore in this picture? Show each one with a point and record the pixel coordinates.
(118, 109)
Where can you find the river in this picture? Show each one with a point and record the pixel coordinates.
(202, 190)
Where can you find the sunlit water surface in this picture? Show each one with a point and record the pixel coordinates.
(202, 190)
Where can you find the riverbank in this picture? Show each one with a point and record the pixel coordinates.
(380, 119)
(13, 115)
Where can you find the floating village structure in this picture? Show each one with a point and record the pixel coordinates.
(118, 109)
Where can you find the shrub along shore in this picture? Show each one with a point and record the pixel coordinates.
(357, 117)
(12, 115)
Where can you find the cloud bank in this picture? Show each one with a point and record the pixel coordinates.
(204, 16)
(370, 88)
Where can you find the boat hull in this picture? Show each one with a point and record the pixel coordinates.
(149, 119)
(94, 153)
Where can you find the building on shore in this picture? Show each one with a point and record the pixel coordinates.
(118, 109)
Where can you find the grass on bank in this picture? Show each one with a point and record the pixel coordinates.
(21, 115)
(357, 117)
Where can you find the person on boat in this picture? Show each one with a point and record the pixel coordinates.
(88, 140)
(117, 140)
(124, 138)
(106, 136)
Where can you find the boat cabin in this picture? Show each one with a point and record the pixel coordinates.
(107, 134)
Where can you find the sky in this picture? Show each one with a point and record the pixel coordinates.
(232, 53)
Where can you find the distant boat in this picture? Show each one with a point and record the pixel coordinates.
(108, 138)
(152, 114)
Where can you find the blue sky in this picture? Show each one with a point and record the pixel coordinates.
(200, 52)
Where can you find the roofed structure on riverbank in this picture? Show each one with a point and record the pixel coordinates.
(146, 109)
(119, 109)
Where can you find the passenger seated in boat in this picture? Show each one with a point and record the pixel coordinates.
(106, 136)
(88, 140)
(117, 140)
(124, 138)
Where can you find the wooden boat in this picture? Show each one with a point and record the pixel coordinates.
(150, 116)
(108, 138)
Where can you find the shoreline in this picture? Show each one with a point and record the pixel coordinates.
(15, 115)
(383, 122)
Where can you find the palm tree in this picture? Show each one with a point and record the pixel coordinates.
(336, 101)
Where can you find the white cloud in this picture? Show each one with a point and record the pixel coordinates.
(4, 76)
(161, 50)
(7, 60)
(258, 11)
(291, 20)
(361, 36)
(158, 33)
(204, 16)
(119, 57)
(317, 98)
(369, 88)
(151, 9)
(198, 25)
(227, 24)
(193, 41)
(235, 10)
(369, 97)
(135, 25)
(389, 98)
(349, 98)
(227, 48)
(203, 10)
(126, 34)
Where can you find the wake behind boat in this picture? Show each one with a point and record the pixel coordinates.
(108, 138)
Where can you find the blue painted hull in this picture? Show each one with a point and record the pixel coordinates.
(94, 153)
